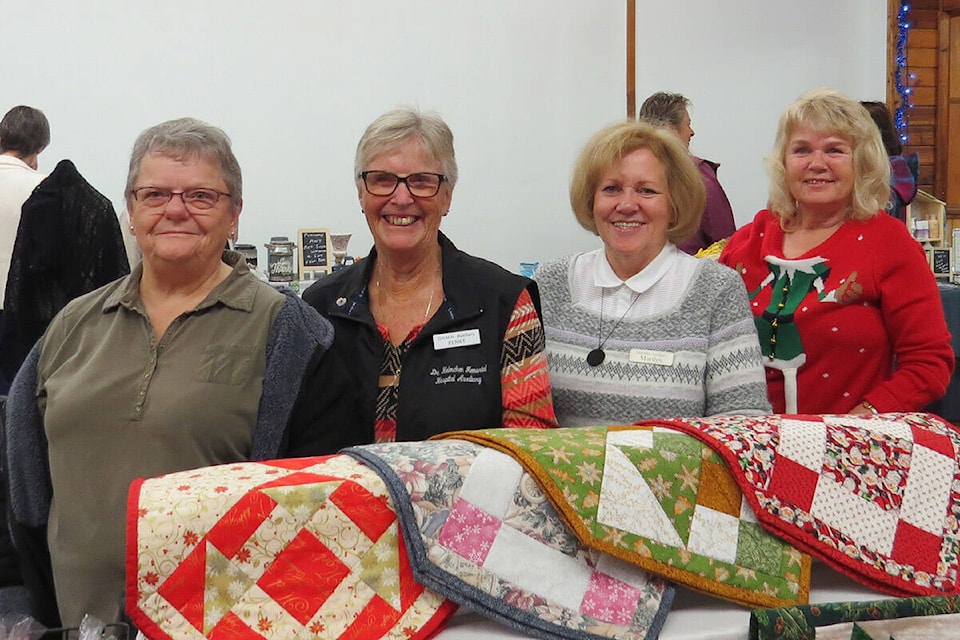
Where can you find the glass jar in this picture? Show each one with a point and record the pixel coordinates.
(280, 263)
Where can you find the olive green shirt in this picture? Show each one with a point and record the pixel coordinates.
(118, 405)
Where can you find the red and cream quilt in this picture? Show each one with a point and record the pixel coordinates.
(878, 498)
(304, 548)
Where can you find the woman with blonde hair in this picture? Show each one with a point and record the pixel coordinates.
(639, 329)
(846, 307)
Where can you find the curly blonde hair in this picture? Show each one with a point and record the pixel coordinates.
(827, 111)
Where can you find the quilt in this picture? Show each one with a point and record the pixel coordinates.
(930, 617)
(479, 531)
(304, 548)
(662, 500)
(877, 498)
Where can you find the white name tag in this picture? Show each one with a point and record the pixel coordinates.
(646, 356)
(456, 339)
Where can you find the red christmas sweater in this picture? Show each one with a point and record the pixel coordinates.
(859, 317)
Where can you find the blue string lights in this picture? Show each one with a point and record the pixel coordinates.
(904, 91)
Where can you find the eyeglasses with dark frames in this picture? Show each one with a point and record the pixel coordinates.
(197, 199)
(420, 185)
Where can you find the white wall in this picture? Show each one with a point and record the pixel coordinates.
(521, 83)
(742, 61)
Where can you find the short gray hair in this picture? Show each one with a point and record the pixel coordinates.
(664, 108)
(24, 131)
(187, 138)
(397, 127)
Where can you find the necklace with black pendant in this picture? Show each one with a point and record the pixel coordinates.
(596, 356)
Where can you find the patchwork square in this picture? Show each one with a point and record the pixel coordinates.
(714, 534)
(927, 495)
(803, 441)
(305, 567)
(755, 550)
(795, 484)
(863, 521)
(718, 490)
(933, 441)
(916, 547)
(469, 532)
(609, 599)
(869, 463)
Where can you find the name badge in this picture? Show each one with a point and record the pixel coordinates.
(456, 339)
(646, 356)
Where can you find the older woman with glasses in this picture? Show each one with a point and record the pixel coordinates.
(437, 339)
(189, 361)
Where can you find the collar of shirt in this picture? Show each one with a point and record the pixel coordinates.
(10, 161)
(237, 290)
(604, 276)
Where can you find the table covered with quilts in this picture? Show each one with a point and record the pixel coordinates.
(727, 527)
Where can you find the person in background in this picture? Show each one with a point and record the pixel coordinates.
(24, 134)
(904, 169)
(68, 244)
(437, 339)
(672, 111)
(847, 309)
(189, 361)
(639, 329)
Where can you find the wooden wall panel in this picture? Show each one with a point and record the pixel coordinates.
(923, 18)
(923, 76)
(922, 38)
(923, 57)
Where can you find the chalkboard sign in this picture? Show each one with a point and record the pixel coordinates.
(314, 245)
(940, 261)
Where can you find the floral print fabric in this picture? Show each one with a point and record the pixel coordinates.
(480, 531)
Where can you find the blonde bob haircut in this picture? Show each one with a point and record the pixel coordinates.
(685, 191)
(829, 112)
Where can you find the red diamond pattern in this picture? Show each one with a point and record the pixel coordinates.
(303, 576)
(793, 482)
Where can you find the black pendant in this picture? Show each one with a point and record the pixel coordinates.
(595, 357)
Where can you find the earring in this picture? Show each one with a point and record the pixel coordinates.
(131, 228)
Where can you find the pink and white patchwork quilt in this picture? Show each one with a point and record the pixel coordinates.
(480, 531)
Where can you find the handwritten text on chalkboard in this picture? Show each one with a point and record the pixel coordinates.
(314, 249)
(940, 261)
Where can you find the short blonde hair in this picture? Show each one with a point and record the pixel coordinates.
(685, 191)
(830, 112)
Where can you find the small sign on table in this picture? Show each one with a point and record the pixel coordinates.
(314, 245)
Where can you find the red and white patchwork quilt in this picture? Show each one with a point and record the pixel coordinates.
(878, 498)
(302, 548)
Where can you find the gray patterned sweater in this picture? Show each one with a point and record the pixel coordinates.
(700, 357)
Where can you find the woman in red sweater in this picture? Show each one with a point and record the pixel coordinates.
(846, 307)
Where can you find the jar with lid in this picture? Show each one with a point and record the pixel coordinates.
(280, 263)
